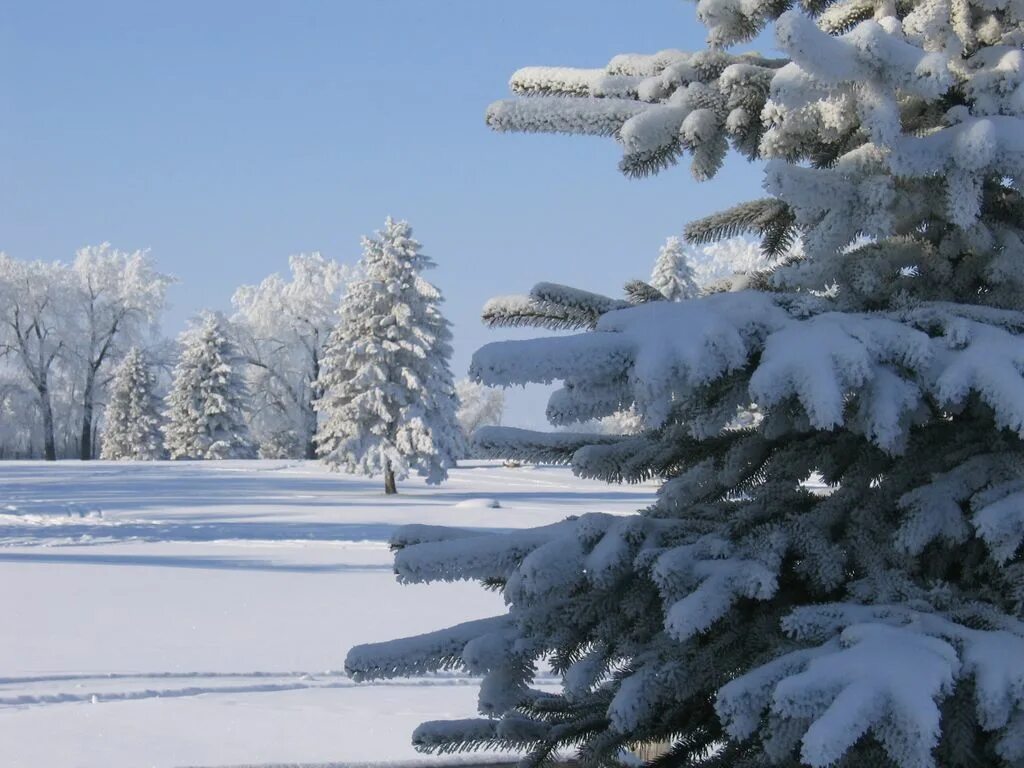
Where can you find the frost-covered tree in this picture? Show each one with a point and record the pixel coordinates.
(132, 417)
(479, 406)
(725, 265)
(729, 264)
(282, 326)
(17, 406)
(62, 330)
(116, 298)
(34, 317)
(625, 422)
(388, 402)
(205, 416)
(673, 274)
(746, 618)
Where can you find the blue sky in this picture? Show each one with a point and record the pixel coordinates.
(227, 135)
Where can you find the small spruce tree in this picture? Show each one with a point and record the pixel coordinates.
(747, 618)
(132, 416)
(673, 274)
(205, 407)
(388, 402)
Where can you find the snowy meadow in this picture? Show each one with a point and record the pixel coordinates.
(199, 613)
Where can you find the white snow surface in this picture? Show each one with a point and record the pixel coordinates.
(198, 613)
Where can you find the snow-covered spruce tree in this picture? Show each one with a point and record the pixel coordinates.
(205, 407)
(746, 618)
(132, 417)
(388, 401)
(673, 275)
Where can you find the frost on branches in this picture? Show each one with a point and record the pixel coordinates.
(673, 274)
(388, 401)
(117, 298)
(281, 327)
(747, 619)
(132, 417)
(63, 330)
(33, 312)
(205, 413)
(728, 264)
(479, 406)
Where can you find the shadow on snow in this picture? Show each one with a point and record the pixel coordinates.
(175, 561)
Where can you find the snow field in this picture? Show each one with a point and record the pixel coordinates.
(198, 614)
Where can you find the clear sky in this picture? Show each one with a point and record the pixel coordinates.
(227, 135)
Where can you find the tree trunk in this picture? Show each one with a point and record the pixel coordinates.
(49, 442)
(389, 480)
(310, 417)
(85, 441)
(308, 407)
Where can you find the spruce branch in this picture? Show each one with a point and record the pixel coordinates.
(639, 292)
(772, 219)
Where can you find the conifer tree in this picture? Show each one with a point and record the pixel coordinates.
(673, 275)
(746, 618)
(388, 401)
(205, 407)
(132, 417)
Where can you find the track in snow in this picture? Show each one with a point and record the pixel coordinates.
(43, 690)
(98, 689)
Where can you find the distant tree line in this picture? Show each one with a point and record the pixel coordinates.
(85, 372)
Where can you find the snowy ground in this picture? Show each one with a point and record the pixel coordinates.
(198, 614)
